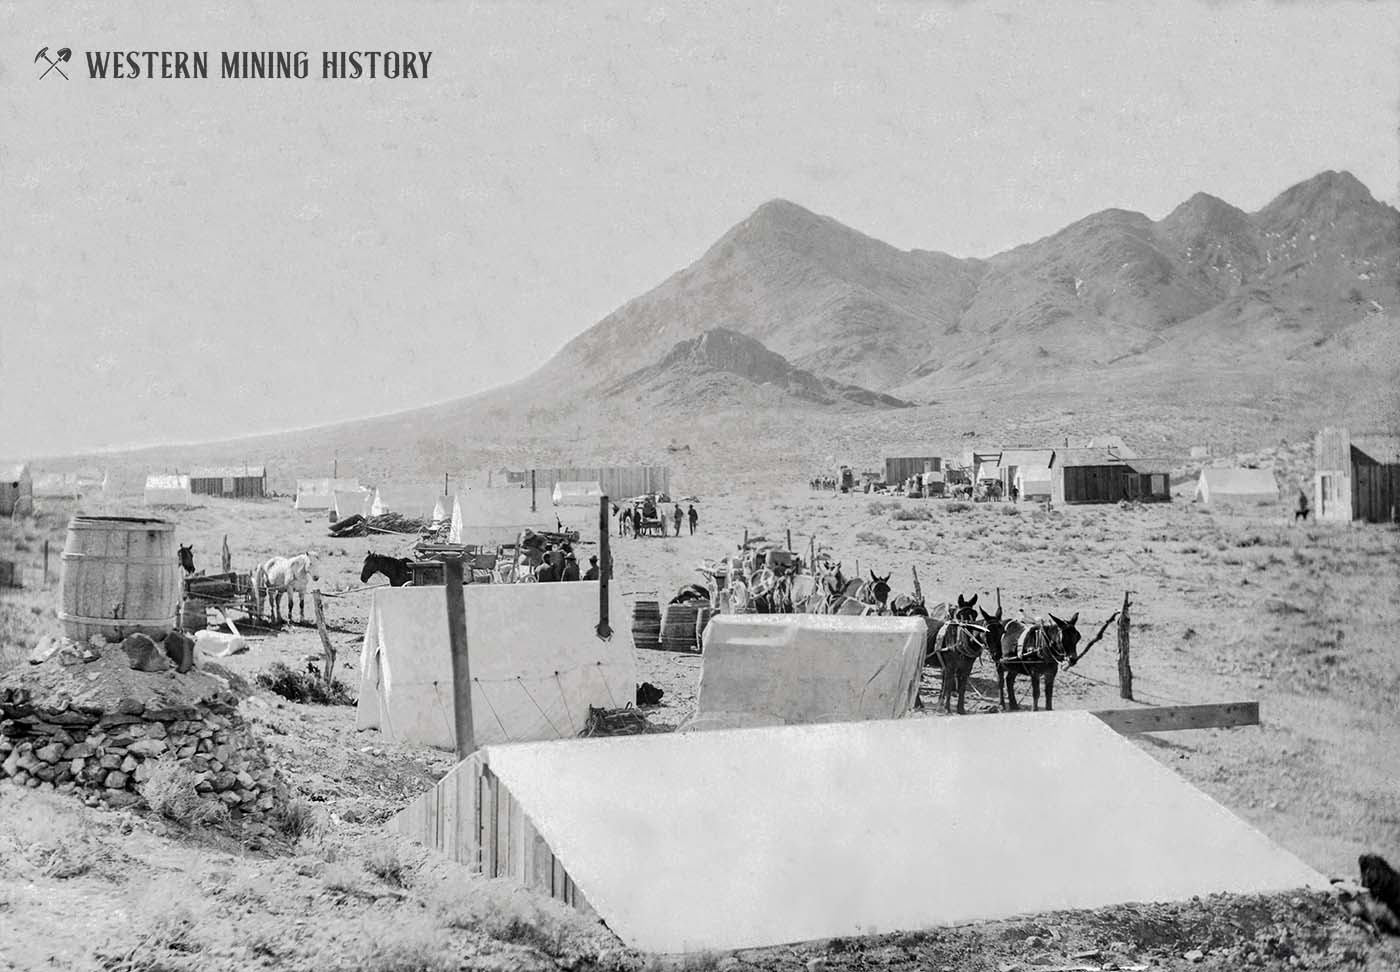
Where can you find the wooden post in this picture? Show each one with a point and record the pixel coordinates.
(746, 539)
(461, 668)
(789, 538)
(604, 569)
(46, 563)
(532, 491)
(998, 601)
(1125, 668)
(225, 557)
(328, 672)
(444, 484)
(812, 552)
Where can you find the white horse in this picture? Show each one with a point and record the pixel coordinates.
(290, 575)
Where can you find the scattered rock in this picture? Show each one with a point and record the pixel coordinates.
(47, 647)
(143, 654)
(1195, 955)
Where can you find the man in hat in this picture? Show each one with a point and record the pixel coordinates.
(570, 571)
(676, 517)
(694, 518)
(592, 573)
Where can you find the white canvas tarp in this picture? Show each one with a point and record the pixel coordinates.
(319, 494)
(168, 491)
(577, 494)
(536, 661)
(798, 668)
(1032, 481)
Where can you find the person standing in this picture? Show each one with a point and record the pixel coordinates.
(592, 572)
(676, 516)
(694, 518)
(1302, 512)
(570, 571)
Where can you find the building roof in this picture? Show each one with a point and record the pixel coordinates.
(1150, 467)
(1228, 481)
(228, 472)
(13, 472)
(913, 450)
(1086, 457)
(1027, 457)
(1384, 449)
(167, 481)
(1113, 442)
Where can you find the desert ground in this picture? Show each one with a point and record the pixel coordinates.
(1227, 605)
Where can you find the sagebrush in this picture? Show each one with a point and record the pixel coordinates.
(303, 686)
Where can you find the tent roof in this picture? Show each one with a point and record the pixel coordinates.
(166, 481)
(1027, 457)
(1227, 480)
(228, 472)
(327, 485)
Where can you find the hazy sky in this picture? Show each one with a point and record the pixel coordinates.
(184, 259)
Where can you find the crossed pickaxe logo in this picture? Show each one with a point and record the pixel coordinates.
(63, 54)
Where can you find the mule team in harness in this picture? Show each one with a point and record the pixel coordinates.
(771, 582)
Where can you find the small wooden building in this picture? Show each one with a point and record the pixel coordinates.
(617, 482)
(1089, 476)
(905, 462)
(16, 490)
(1149, 480)
(232, 482)
(1357, 478)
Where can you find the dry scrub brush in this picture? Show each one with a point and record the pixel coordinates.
(170, 791)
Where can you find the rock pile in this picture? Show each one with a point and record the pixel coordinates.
(98, 727)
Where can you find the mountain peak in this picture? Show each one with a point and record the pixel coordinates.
(1326, 193)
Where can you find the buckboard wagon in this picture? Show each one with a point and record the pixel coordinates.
(224, 592)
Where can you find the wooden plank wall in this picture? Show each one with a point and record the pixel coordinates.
(1093, 484)
(1215, 715)
(618, 482)
(1375, 492)
(897, 470)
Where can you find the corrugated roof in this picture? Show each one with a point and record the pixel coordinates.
(228, 472)
(1384, 449)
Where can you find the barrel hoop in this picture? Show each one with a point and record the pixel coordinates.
(144, 561)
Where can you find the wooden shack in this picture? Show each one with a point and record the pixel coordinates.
(1089, 476)
(618, 482)
(16, 490)
(1357, 478)
(231, 482)
(907, 461)
(1149, 480)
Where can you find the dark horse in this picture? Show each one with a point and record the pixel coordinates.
(397, 569)
(955, 640)
(186, 555)
(1036, 650)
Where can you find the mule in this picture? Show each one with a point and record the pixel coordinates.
(865, 597)
(186, 557)
(285, 575)
(955, 642)
(1037, 649)
(396, 570)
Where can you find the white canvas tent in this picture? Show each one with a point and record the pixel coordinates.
(442, 511)
(406, 500)
(496, 516)
(577, 494)
(779, 669)
(1246, 486)
(168, 490)
(319, 494)
(348, 502)
(536, 660)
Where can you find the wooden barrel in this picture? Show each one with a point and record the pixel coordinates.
(646, 625)
(702, 618)
(120, 576)
(678, 631)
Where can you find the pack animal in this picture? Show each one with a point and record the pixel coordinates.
(186, 556)
(396, 570)
(285, 575)
(1036, 649)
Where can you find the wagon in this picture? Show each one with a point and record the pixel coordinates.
(225, 592)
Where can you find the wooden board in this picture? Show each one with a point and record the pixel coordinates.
(1166, 718)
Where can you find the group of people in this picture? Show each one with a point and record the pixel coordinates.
(561, 564)
(631, 517)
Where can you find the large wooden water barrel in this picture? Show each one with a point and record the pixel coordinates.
(120, 576)
(646, 625)
(702, 618)
(678, 631)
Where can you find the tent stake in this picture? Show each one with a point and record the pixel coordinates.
(461, 668)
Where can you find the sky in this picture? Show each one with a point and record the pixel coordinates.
(187, 260)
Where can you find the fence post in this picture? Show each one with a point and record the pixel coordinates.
(1125, 668)
(328, 673)
(46, 563)
(532, 491)
(604, 569)
(461, 667)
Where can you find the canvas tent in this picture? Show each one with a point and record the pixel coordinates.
(442, 510)
(319, 494)
(168, 490)
(16, 490)
(577, 494)
(1033, 482)
(1225, 485)
(775, 669)
(404, 499)
(536, 660)
(349, 502)
(496, 516)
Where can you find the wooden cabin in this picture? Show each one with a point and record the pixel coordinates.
(231, 482)
(1357, 478)
(905, 462)
(1089, 476)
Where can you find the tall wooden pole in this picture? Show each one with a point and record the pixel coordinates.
(789, 538)
(532, 491)
(461, 668)
(46, 562)
(604, 569)
(1125, 668)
